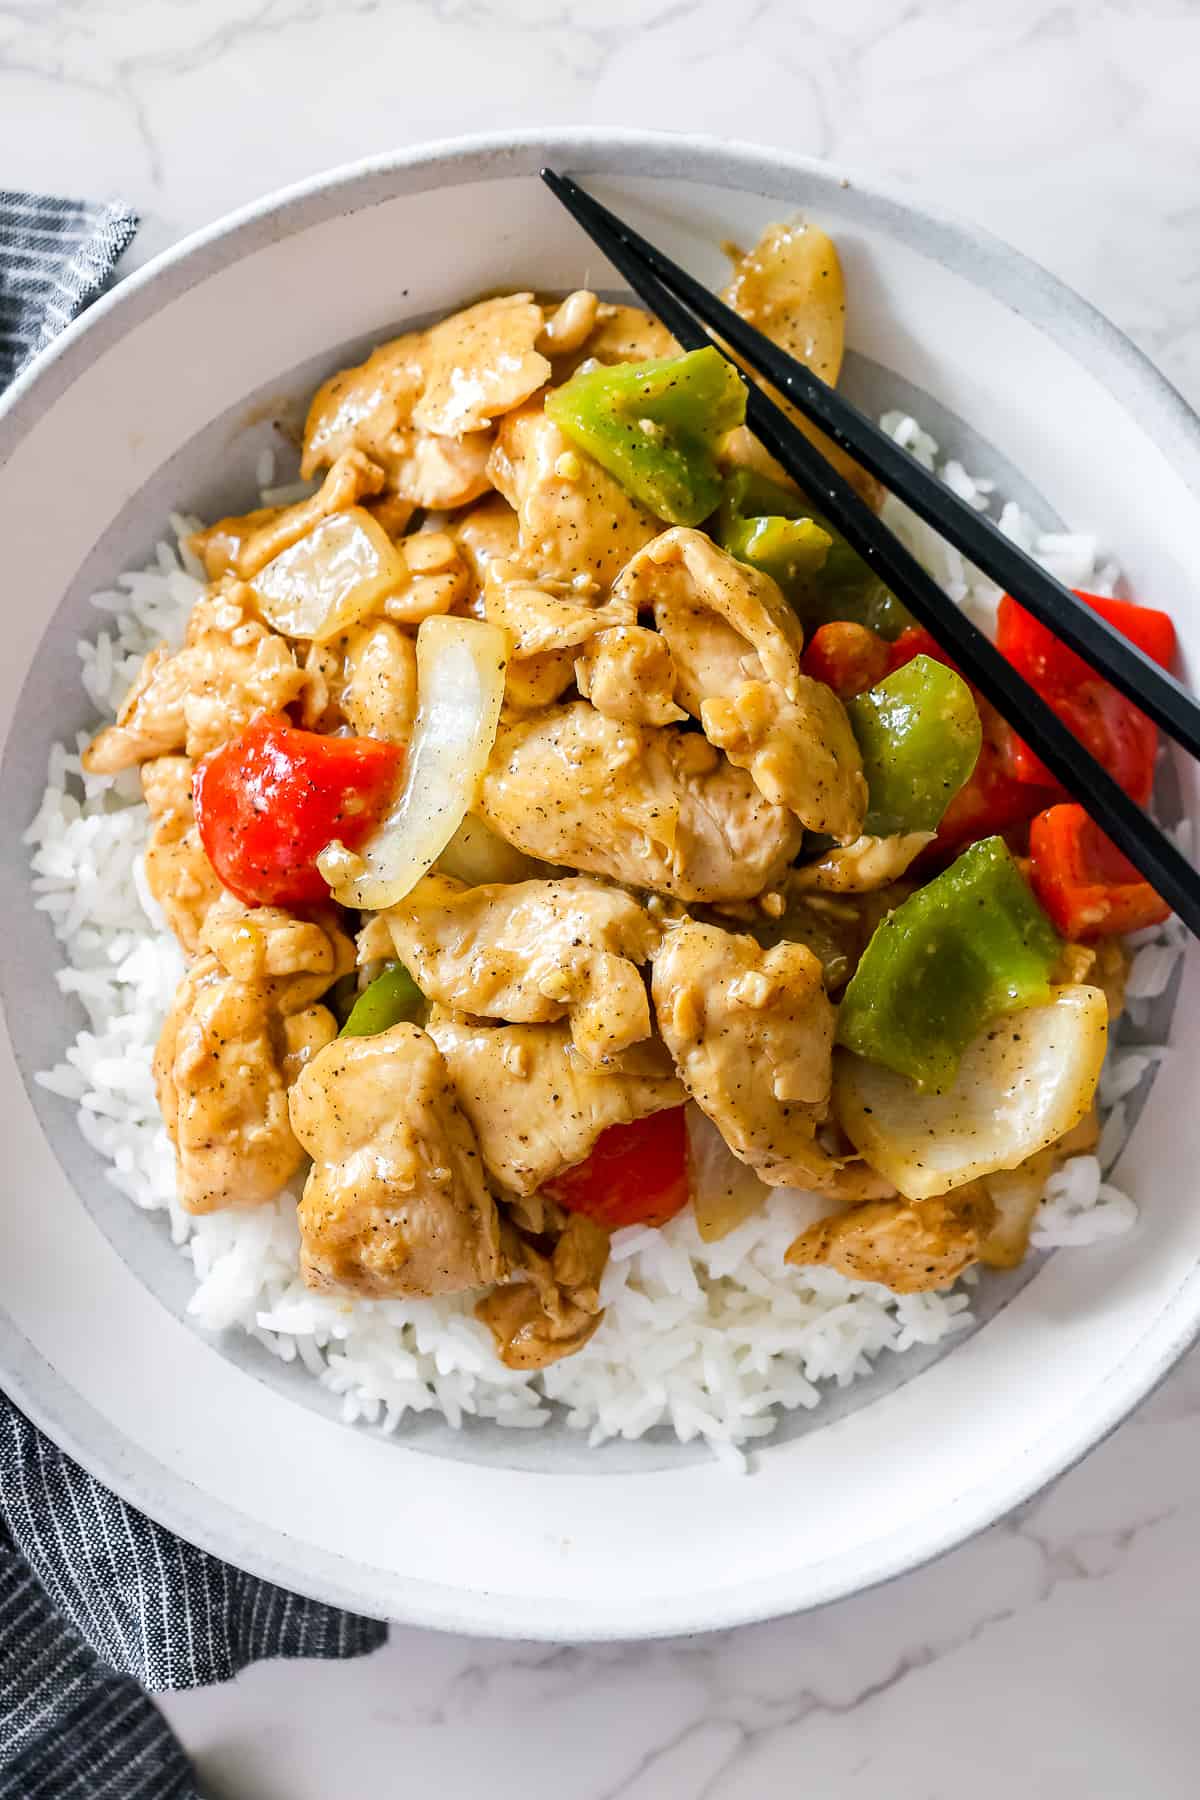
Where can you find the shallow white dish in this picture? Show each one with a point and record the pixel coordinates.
(161, 398)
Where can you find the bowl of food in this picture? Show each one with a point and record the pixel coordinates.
(538, 1101)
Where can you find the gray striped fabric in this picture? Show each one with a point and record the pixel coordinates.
(97, 1603)
(55, 256)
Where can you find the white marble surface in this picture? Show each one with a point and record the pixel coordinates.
(1055, 1655)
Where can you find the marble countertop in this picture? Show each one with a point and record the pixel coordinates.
(1054, 1655)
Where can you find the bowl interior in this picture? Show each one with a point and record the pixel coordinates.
(164, 403)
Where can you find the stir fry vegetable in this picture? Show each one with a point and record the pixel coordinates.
(1017, 1089)
(971, 944)
(335, 575)
(269, 802)
(460, 687)
(636, 1174)
(725, 1193)
(774, 529)
(788, 545)
(791, 286)
(1116, 732)
(919, 734)
(848, 658)
(1086, 885)
(992, 801)
(655, 426)
(390, 999)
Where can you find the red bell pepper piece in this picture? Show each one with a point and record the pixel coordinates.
(1083, 881)
(636, 1174)
(846, 657)
(269, 801)
(1116, 733)
(992, 802)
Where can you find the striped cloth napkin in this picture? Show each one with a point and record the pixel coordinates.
(97, 1603)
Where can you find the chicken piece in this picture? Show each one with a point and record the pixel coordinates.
(442, 473)
(863, 867)
(687, 581)
(373, 946)
(489, 530)
(392, 513)
(438, 578)
(735, 644)
(908, 1246)
(751, 1033)
(546, 615)
(293, 961)
(550, 1306)
(535, 1103)
(801, 753)
(242, 546)
(1015, 1194)
(570, 324)
(230, 667)
(481, 363)
(532, 682)
(1104, 965)
(655, 808)
(305, 1034)
(219, 545)
(379, 681)
(178, 872)
(370, 408)
(221, 1071)
(324, 667)
(627, 673)
(532, 952)
(575, 520)
(628, 334)
(396, 1203)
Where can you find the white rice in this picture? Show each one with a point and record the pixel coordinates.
(708, 1340)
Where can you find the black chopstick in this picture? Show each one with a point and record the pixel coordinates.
(1140, 840)
(1136, 675)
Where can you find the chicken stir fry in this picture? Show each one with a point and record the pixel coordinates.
(538, 1105)
(620, 768)
(751, 1031)
(245, 1023)
(532, 952)
(396, 1202)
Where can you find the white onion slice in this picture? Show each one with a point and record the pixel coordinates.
(724, 1191)
(331, 577)
(1023, 1083)
(460, 685)
(480, 856)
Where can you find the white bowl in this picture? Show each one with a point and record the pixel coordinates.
(158, 399)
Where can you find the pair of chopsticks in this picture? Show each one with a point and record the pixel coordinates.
(685, 308)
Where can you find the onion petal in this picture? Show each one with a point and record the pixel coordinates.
(1023, 1083)
(724, 1191)
(460, 686)
(331, 577)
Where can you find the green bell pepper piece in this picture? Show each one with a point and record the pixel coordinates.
(791, 551)
(753, 526)
(655, 427)
(920, 735)
(972, 944)
(392, 997)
